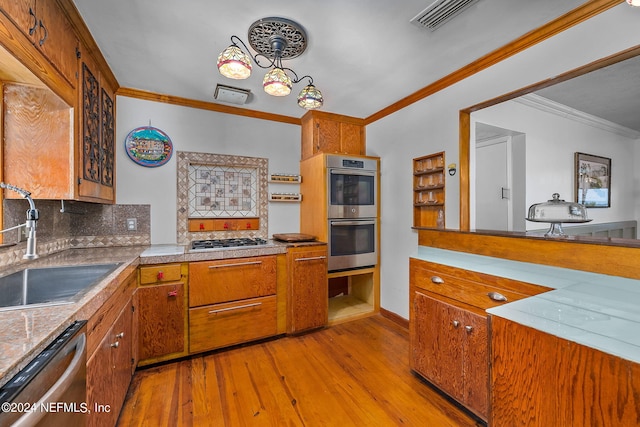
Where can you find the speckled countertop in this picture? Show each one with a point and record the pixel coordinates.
(596, 310)
(26, 332)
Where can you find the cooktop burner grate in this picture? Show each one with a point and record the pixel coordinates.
(227, 243)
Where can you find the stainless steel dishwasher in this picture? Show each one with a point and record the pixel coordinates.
(51, 389)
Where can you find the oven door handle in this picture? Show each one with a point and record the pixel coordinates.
(56, 391)
(351, 172)
(347, 223)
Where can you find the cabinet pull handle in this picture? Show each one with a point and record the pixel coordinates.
(497, 296)
(46, 34)
(172, 293)
(311, 258)
(437, 280)
(220, 310)
(469, 329)
(32, 28)
(237, 264)
(455, 323)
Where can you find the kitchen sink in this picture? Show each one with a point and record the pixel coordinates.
(39, 287)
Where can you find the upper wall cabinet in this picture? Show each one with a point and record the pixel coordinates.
(47, 27)
(332, 134)
(59, 104)
(96, 180)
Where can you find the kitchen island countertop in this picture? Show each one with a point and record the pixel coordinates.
(596, 310)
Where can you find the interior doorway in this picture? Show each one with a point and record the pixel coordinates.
(500, 184)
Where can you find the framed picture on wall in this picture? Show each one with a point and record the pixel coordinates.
(593, 180)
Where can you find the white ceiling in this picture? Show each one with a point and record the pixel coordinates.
(364, 55)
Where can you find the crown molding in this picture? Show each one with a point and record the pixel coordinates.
(544, 104)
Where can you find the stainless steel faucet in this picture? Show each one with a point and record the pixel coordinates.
(30, 224)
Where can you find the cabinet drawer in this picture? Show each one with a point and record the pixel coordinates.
(160, 273)
(213, 282)
(473, 293)
(221, 325)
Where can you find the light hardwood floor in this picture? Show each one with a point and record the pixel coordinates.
(351, 374)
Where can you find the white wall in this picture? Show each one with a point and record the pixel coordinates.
(552, 141)
(206, 132)
(431, 125)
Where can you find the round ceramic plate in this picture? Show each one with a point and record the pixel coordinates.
(148, 146)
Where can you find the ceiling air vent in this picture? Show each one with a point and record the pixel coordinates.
(231, 95)
(439, 12)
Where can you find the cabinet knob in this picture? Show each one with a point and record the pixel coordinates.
(120, 335)
(116, 344)
(455, 323)
(437, 280)
(172, 293)
(469, 329)
(160, 275)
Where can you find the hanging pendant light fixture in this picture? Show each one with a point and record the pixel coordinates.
(310, 98)
(274, 39)
(277, 83)
(234, 63)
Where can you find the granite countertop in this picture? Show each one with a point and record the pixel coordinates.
(596, 310)
(26, 332)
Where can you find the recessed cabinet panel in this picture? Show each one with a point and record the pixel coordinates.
(38, 142)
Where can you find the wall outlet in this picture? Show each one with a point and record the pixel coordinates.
(132, 224)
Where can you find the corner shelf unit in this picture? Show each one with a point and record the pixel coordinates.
(428, 190)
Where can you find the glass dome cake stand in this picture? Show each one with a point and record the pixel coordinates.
(557, 212)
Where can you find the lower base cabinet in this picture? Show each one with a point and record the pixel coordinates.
(307, 289)
(448, 327)
(162, 333)
(232, 301)
(541, 380)
(110, 364)
(450, 350)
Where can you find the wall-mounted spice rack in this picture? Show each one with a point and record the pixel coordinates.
(284, 178)
(285, 197)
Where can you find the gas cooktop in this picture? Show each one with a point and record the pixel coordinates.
(200, 245)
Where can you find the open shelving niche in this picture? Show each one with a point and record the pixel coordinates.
(429, 190)
(352, 294)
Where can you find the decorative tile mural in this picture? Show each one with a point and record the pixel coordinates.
(222, 191)
(220, 186)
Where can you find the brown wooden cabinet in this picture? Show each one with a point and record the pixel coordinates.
(162, 312)
(307, 293)
(66, 149)
(428, 191)
(450, 350)
(331, 133)
(448, 327)
(231, 301)
(541, 380)
(96, 118)
(111, 355)
(49, 30)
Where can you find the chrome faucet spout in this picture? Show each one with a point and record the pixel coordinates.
(30, 224)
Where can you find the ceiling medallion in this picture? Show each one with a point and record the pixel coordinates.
(268, 35)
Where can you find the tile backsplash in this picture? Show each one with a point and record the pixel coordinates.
(70, 224)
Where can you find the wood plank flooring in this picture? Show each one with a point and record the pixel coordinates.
(352, 374)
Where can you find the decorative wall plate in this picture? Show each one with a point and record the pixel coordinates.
(148, 146)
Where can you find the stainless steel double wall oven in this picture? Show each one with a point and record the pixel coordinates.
(352, 192)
